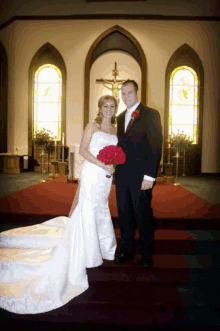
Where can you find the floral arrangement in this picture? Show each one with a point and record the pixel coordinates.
(112, 155)
(180, 140)
(49, 147)
(135, 114)
(43, 138)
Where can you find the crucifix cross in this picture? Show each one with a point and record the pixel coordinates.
(113, 82)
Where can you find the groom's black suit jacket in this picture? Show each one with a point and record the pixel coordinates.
(142, 143)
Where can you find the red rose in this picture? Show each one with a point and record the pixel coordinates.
(135, 113)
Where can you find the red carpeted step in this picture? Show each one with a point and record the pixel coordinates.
(45, 198)
(175, 202)
(168, 241)
(128, 303)
(172, 205)
(167, 269)
(182, 223)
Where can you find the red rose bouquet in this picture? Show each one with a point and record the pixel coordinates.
(111, 155)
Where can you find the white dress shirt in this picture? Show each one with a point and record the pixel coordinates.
(127, 120)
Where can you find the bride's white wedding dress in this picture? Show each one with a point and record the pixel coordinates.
(42, 267)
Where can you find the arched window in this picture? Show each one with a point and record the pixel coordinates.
(184, 92)
(183, 102)
(47, 95)
(47, 99)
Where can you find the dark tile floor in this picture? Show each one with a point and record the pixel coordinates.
(205, 186)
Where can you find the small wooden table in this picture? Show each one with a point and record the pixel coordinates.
(11, 163)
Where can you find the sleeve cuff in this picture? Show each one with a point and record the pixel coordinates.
(149, 178)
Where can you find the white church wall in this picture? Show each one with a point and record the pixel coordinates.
(211, 121)
(73, 39)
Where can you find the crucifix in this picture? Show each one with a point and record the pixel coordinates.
(114, 82)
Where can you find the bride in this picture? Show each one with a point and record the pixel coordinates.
(42, 267)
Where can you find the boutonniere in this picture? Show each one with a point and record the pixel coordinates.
(135, 114)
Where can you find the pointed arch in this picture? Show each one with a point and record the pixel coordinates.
(47, 54)
(186, 56)
(3, 98)
(115, 38)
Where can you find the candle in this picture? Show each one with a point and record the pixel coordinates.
(63, 139)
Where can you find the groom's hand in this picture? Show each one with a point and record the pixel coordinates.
(146, 184)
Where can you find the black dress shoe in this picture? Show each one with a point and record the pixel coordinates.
(123, 257)
(146, 262)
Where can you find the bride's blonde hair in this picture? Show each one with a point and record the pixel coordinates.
(101, 102)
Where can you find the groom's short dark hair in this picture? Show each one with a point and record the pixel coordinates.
(131, 81)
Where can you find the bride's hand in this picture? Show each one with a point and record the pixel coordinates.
(109, 168)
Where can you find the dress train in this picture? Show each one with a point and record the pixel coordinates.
(42, 267)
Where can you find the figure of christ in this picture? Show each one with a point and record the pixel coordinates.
(114, 82)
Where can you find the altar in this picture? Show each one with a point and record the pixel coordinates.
(11, 163)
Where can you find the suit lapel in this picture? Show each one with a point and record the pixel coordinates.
(129, 125)
(123, 121)
(121, 128)
(132, 120)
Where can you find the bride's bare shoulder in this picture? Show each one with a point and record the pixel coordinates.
(95, 126)
(92, 127)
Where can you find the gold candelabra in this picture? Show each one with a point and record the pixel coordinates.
(177, 156)
(42, 180)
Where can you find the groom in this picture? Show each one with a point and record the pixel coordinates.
(139, 134)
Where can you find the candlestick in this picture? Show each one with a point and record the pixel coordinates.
(55, 143)
(42, 165)
(177, 157)
(184, 156)
(62, 153)
(169, 153)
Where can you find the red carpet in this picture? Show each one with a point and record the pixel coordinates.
(170, 200)
(53, 198)
(122, 294)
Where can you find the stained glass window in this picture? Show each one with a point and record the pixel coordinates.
(183, 106)
(47, 99)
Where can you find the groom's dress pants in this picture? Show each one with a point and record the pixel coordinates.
(134, 209)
